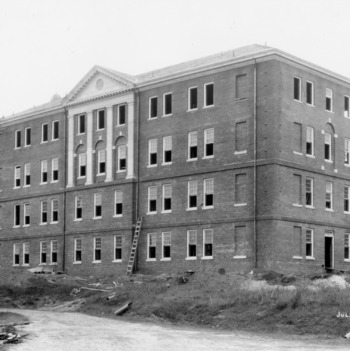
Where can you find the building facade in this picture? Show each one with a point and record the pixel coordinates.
(237, 160)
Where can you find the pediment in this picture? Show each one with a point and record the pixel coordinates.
(98, 83)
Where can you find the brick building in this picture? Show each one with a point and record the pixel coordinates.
(237, 160)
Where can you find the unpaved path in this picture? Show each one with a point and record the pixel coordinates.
(54, 331)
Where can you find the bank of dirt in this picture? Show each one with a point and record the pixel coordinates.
(259, 302)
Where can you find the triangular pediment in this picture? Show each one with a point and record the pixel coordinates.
(99, 82)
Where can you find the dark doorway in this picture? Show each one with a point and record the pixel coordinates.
(328, 252)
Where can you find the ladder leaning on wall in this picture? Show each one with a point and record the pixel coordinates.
(133, 251)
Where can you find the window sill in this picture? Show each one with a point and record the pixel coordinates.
(78, 219)
(240, 99)
(243, 152)
(28, 186)
(310, 258)
(310, 207)
(53, 264)
(207, 258)
(208, 106)
(191, 258)
(77, 262)
(311, 105)
(121, 171)
(346, 260)
(311, 156)
(15, 265)
(240, 205)
(152, 118)
(120, 125)
(118, 216)
(117, 261)
(97, 217)
(100, 174)
(191, 209)
(16, 187)
(17, 148)
(207, 157)
(297, 258)
(191, 159)
(298, 205)
(42, 264)
(42, 183)
(44, 142)
(166, 164)
(192, 109)
(43, 224)
(328, 161)
(207, 207)
(151, 213)
(54, 139)
(330, 111)
(25, 265)
(81, 177)
(241, 257)
(329, 210)
(297, 153)
(165, 259)
(26, 225)
(345, 212)
(80, 134)
(298, 101)
(166, 211)
(169, 115)
(151, 166)
(54, 181)
(96, 262)
(100, 130)
(346, 164)
(151, 260)
(16, 226)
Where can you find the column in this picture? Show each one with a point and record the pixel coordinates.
(109, 145)
(70, 161)
(131, 135)
(89, 166)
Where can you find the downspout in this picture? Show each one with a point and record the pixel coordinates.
(64, 192)
(254, 181)
(138, 166)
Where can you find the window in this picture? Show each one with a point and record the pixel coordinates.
(55, 130)
(44, 171)
(192, 98)
(329, 195)
(346, 107)
(192, 194)
(101, 162)
(240, 241)
(27, 174)
(152, 152)
(122, 158)
(329, 99)
(121, 115)
(82, 165)
(81, 124)
(167, 146)
(192, 244)
(17, 139)
(27, 137)
(309, 141)
(43, 212)
(327, 146)
(152, 199)
(97, 249)
(310, 93)
(297, 138)
(166, 243)
(347, 152)
(100, 119)
(44, 133)
(118, 198)
(167, 192)
(309, 243)
(54, 250)
(240, 189)
(77, 250)
(43, 252)
(297, 88)
(25, 253)
(54, 169)
(16, 254)
(153, 107)
(27, 209)
(78, 207)
(17, 215)
(192, 145)
(346, 199)
(309, 192)
(208, 243)
(241, 137)
(296, 190)
(167, 104)
(208, 193)
(17, 176)
(241, 87)
(209, 94)
(298, 239)
(54, 211)
(346, 247)
(118, 241)
(209, 142)
(98, 205)
(152, 245)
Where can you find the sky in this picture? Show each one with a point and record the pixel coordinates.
(47, 46)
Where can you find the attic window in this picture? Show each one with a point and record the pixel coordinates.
(99, 84)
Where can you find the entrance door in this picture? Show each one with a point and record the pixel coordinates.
(328, 251)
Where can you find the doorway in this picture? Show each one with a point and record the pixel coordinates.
(328, 251)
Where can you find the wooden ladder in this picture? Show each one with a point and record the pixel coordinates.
(133, 251)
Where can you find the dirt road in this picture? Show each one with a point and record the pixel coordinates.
(50, 331)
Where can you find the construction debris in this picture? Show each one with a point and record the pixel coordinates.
(183, 279)
(123, 309)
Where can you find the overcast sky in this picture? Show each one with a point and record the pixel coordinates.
(47, 46)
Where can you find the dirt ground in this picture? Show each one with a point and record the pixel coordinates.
(54, 331)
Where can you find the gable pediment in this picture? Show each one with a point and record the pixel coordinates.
(97, 83)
